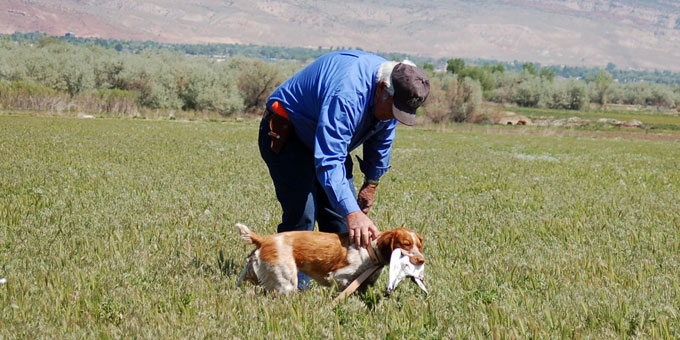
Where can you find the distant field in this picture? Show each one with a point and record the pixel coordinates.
(115, 228)
(656, 119)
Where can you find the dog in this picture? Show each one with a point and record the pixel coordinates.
(328, 258)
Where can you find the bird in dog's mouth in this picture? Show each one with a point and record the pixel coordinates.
(401, 267)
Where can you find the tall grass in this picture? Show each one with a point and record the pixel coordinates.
(28, 96)
(124, 229)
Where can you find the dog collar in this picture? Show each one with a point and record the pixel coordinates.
(375, 255)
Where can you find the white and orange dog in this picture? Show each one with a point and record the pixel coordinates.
(325, 257)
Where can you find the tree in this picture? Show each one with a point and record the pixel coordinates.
(528, 93)
(505, 84)
(662, 96)
(529, 67)
(452, 99)
(547, 74)
(256, 81)
(455, 66)
(603, 81)
(480, 74)
(610, 67)
(556, 95)
(578, 95)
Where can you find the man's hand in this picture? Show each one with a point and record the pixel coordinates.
(365, 198)
(361, 229)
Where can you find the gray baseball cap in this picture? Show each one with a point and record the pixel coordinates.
(411, 88)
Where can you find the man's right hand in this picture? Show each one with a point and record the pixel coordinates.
(361, 229)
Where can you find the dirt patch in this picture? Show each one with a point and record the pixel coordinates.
(591, 134)
(622, 133)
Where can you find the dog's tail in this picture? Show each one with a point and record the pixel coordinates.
(248, 236)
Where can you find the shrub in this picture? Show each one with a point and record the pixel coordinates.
(578, 94)
(23, 95)
(505, 86)
(528, 93)
(636, 94)
(661, 95)
(482, 75)
(256, 81)
(108, 101)
(453, 100)
(557, 95)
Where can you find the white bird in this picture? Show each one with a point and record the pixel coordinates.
(401, 267)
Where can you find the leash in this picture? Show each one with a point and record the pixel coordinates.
(378, 262)
(355, 284)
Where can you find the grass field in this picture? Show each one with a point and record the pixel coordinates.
(654, 119)
(114, 228)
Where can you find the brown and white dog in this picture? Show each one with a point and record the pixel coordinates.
(327, 258)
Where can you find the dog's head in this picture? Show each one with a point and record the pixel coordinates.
(410, 242)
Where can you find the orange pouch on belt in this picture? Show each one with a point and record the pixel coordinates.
(279, 128)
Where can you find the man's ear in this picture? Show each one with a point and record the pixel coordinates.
(383, 87)
(384, 94)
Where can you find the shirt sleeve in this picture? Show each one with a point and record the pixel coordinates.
(334, 132)
(377, 151)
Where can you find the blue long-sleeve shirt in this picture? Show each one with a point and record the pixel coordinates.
(330, 104)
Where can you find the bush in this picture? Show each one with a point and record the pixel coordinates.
(661, 96)
(482, 75)
(557, 96)
(453, 100)
(636, 94)
(435, 107)
(217, 90)
(577, 94)
(256, 81)
(23, 95)
(505, 86)
(108, 101)
(528, 93)
(123, 82)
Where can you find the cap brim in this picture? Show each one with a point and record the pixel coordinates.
(405, 117)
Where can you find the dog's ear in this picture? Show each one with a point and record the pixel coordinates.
(420, 242)
(385, 243)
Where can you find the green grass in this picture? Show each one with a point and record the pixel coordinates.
(124, 229)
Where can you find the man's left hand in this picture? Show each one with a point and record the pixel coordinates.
(365, 198)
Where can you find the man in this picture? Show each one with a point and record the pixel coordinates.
(312, 122)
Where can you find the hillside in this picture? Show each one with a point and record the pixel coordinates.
(631, 34)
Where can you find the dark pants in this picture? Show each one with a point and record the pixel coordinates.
(302, 197)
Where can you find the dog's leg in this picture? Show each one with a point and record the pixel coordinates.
(249, 272)
(244, 272)
(279, 277)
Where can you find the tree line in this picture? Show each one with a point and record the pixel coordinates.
(55, 75)
(212, 50)
(302, 54)
(459, 92)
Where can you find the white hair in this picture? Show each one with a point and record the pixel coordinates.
(385, 73)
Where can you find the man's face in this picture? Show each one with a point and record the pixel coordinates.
(383, 103)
